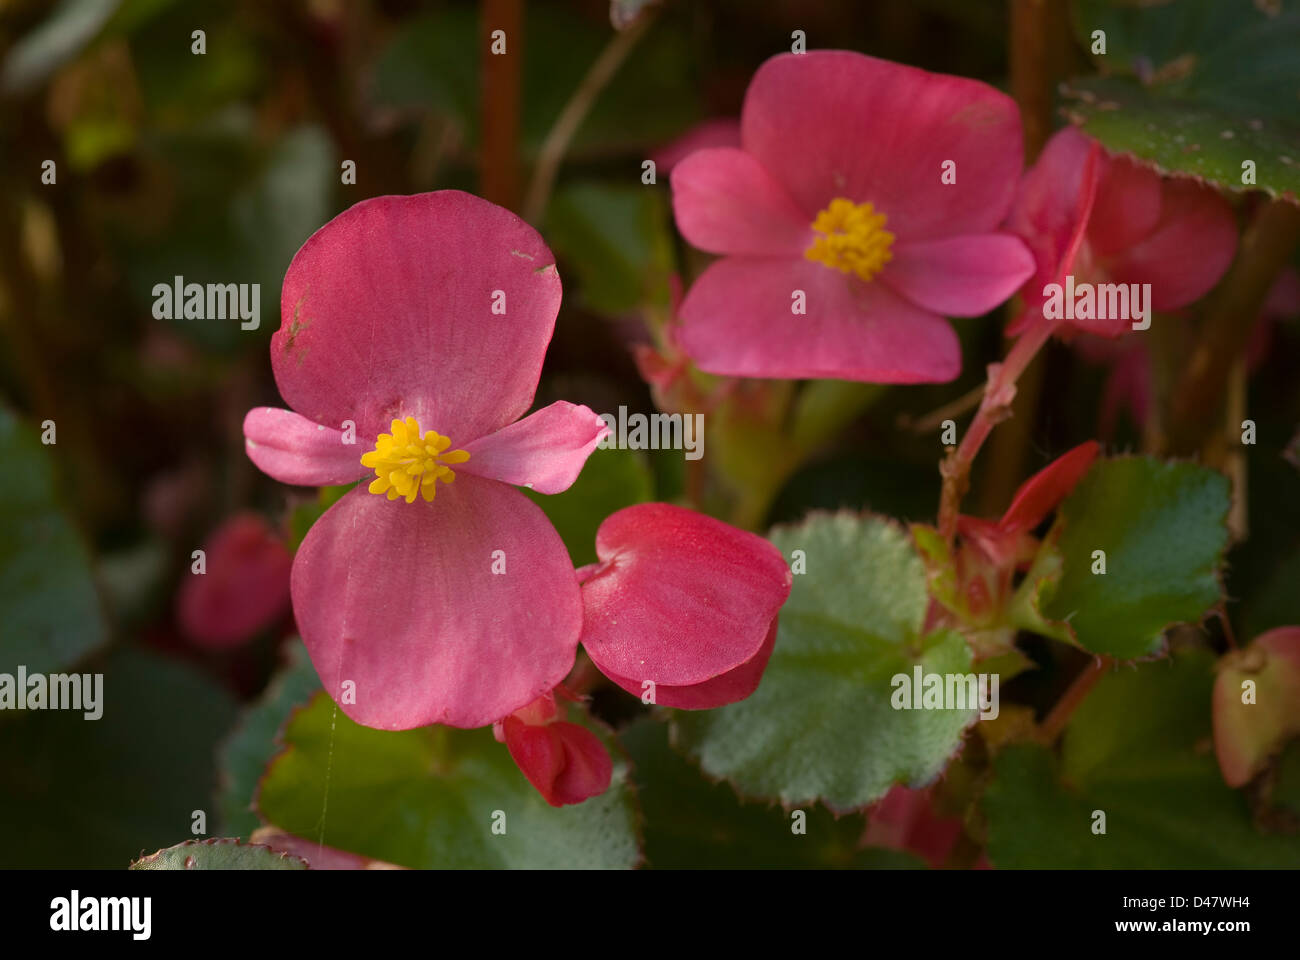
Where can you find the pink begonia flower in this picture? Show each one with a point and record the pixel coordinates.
(419, 324)
(244, 587)
(838, 195)
(566, 762)
(1106, 219)
(681, 609)
(702, 136)
(1247, 735)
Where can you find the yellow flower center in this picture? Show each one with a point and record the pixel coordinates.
(406, 463)
(853, 238)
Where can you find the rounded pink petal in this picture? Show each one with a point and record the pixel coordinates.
(388, 311)
(402, 600)
(731, 687)
(680, 597)
(566, 762)
(832, 123)
(1127, 206)
(293, 449)
(1188, 252)
(244, 587)
(960, 276)
(725, 202)
(737, 320)
(544, 451)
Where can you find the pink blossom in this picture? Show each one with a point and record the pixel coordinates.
(419, 324)
(838, 194)
(1106, 219)
(244, 587)
(682, 608)
(566, 762)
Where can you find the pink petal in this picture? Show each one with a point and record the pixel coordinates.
(832, 123)
(566, 762)
(960, 276)
(703, 136)
(1052, 210)
(244, 587)
(1188, 252)
(402, 600)
(293, 449)
(681, 598)
(737, 321)
(1043, 492)
(731, 687)
(725, 202)
(1127, 207)
(387, 313)
(544, 451)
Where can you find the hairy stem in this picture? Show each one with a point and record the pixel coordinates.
(995, 407)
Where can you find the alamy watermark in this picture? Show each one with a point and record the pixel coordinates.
(57, 691)
(656, 431)
(213, 301)
(946, 691)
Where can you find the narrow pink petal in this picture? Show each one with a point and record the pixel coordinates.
(725, 202)
(402, 599)
(731, 687)
(387, 312)
(960, 276)
(1052, 209)
(832, 123)
(544, 451)
(293, 449)
(1043, 492)
(737, 321)
(1189, 250)
(1127, 207)
(682, 598)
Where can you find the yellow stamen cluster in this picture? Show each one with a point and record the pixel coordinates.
(407, 464)
(854, 239)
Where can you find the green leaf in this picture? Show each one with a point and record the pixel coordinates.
(251, 745)
(1195, 87)
(821, 725)
(616, 239)
(428, 798)
(88, 794)
(49, 608)
(1163, 528)
(1137, 749)
(219, 854)
(610, 480)
(692, 823)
